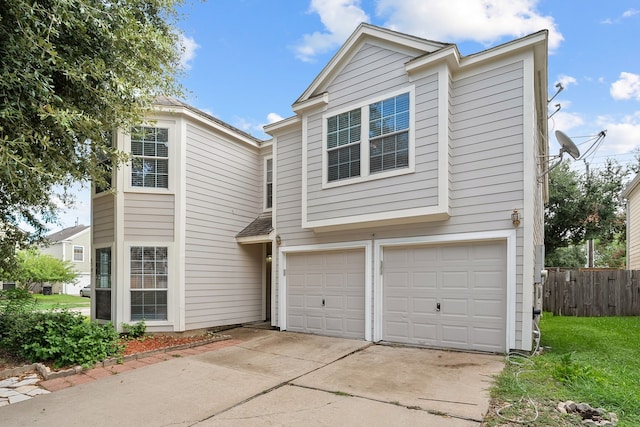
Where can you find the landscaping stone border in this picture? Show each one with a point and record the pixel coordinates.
(48, 374)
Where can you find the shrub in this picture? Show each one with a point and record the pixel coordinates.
(134, 331)
(61, 338)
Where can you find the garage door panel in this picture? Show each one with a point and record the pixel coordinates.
(488, 280)
(423, 305)
(455, 279)
(487, 309)
(332, 286)
(397, 304)
(467, 279)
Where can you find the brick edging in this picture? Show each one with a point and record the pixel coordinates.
(48, 374)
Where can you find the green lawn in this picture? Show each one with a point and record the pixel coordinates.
(61, 301)
(584, 359)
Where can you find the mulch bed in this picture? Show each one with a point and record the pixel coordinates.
(158, 342)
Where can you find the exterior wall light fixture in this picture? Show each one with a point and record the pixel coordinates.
(515, 218)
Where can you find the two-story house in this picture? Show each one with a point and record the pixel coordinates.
(402, 202)
(72, 244)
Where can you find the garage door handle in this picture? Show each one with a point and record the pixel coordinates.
(438, 306)
(323, 302)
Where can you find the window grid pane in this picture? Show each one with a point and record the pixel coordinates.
(390, 152)
(344, 162)
(343, 129)
(150, 149)
(388, 128)
(149, 283)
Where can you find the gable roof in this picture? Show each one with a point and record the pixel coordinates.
(67, 233)
(368, 33)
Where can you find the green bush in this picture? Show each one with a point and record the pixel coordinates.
(134, 331)
(61, 338)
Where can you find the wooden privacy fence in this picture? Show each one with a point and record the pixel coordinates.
(592, 293)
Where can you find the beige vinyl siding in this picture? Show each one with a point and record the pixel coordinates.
(485, 161)
(103, 221)
(633, 257)
(223, 279)
(149, 217)
(414, 190)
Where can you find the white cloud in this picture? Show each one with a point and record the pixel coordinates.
(483, 21)
(622, 136)
(566, 80)
(626, 87)
(629, 13)
(188, 47)
(273, 118)
(565, 121)
(339, 17)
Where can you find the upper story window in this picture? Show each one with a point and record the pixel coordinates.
(78, 253)
(343, 145)
(268, 191)
(150, 151)
(389, 134)
(372, 139)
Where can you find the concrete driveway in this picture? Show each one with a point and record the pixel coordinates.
(279, 378)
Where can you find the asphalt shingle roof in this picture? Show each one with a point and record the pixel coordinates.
(66, 233)
(261, 226)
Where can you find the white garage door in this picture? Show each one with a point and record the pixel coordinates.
(451, 296)
(325, 293)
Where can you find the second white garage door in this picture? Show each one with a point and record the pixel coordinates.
(450, 296)
(326, 293)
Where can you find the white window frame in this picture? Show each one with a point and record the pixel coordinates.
(172, 155)
(365, 174)
(73, 253)
(170, 280)
(266, 206)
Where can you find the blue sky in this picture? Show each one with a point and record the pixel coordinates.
(247, 61)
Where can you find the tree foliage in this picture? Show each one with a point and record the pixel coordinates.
(70, 72)
(33, 268)
(583, 206)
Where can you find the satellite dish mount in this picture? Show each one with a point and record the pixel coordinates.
(566, 146)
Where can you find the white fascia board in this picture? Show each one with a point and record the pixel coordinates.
(263, 238)
(631, 187)
(507, 49)
(397, 217)
(312, 103)
(282, 125)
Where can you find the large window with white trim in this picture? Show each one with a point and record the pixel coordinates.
(149, 282)
(371, 139)
(150, 152)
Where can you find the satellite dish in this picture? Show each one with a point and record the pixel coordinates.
(567, 145)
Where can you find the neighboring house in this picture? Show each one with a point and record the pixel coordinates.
(72, 244)
(632, 194)
(385, 205)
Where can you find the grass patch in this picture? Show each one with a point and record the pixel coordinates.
(46, 302)
(585, 359)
